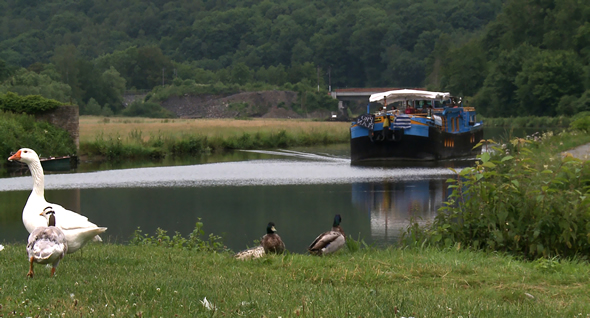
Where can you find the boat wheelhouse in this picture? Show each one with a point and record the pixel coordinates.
(415, 125)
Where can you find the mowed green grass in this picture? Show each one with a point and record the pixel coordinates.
(109, 280)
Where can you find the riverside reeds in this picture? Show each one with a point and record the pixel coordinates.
(145, 138)
(527, 122)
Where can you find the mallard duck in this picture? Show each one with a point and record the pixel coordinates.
(77, 229)
(270, 243)
(47, 244)
(329, 242)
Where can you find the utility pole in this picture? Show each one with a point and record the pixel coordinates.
(330, 79)
(318, 71)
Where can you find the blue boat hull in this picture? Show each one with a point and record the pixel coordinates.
(398, 145)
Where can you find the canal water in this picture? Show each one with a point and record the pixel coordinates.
(237, 194)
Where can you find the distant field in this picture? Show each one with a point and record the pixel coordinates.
(92, 126)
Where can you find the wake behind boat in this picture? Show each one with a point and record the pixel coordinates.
(415, 125)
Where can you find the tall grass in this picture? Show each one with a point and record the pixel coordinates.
(527, 122)
(148, 138)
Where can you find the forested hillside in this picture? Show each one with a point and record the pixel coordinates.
(508, 55)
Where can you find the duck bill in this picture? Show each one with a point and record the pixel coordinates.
(16, 156)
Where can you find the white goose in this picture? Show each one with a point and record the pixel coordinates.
(47, 244)
(77, 229)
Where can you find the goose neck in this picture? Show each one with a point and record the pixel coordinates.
(38, 178)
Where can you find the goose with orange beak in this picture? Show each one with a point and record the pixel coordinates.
(76, 228)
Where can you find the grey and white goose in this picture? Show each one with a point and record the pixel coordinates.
(46, 244)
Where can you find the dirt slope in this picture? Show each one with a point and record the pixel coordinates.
(269, 104)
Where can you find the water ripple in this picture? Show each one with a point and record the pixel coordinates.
(257, 172)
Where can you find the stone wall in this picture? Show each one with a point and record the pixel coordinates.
(66, 117)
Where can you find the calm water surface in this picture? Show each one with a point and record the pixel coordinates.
(237, 194)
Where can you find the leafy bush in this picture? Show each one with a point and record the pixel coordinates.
(106, 111)
(147, 109)
(92, 108)
(582, 123)
(22, 130)
(516, 200)
(213, 243)
(30, 104)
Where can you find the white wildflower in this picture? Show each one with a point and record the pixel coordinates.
(1, 247)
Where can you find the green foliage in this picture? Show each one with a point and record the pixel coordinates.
(455, 79)
(21, 130)
(4, 71)
(355, 245)
(135, 146)
(522, 198)
(545, 78)
(30, 104)
(357, 42)
(106, 111)
(528, 122)
(518, 58)
(582, 123)
(212, 243)
(146, 109)
(115, 149)
(92, 108)
(310, 100)
(141, 67)
(24, 82)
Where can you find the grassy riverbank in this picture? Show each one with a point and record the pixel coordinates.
(148, 281)
(144, 138)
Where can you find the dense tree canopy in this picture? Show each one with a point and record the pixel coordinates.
(510, 56)
(351, 38)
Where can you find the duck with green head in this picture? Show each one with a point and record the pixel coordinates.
(270, 243)
(330, 241)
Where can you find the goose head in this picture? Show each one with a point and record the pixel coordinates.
(25, 155)
(270, 228)
(49, 214)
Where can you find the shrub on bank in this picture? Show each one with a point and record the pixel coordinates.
(582, 123)
(146, 109)
(522, 198)
(21, 130)
(30, 104)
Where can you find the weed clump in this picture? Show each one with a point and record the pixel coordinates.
(212, 243)
(522, 198)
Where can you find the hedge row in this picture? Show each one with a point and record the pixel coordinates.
(30, 104)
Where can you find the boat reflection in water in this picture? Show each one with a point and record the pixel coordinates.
(391, 205)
